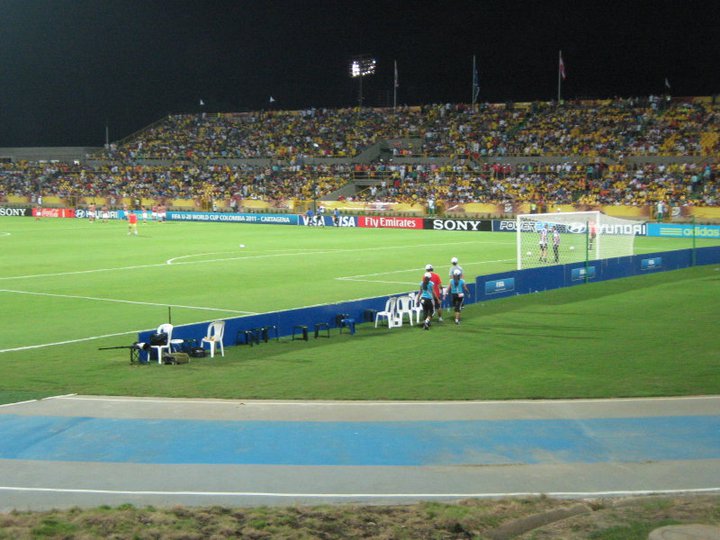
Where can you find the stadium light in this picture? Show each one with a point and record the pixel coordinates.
(362, 66)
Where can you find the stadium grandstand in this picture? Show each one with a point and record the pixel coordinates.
(620, 156)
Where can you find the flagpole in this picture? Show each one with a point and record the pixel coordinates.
(472, 92)
(395, 87)
(475, 84)
(559, 75)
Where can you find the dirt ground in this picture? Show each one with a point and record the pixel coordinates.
(530, 518)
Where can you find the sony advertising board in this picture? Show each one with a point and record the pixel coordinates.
(15, 212)
(458, 224)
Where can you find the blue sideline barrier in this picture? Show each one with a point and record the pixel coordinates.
(554, 277)
(485, 288)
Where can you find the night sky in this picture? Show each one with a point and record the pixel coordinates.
(69, 67)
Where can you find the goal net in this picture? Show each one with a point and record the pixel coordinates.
(568, 237)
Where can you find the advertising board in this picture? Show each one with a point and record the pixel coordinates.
(496, 286)
(219, 217)
(380, 222)
(458, 224)
(15, 212)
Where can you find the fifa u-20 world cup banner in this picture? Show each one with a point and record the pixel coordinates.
(221, 217)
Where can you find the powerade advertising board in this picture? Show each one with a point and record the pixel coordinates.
(274, 219)
(578, 227)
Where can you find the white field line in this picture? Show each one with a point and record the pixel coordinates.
(379, 495)
(361, 277)
(69, 341)
(410, 283)
(292, 253)
(79, 340)
(91, 338)
(118, 301)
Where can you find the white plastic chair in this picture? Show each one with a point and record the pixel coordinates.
(405, 305)
(215, 332)
(389, 313)
(416, 307)
(167, 329)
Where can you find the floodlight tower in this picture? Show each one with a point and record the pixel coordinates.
(362, 66)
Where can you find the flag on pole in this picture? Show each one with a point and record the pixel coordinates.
(397, 80)
(475, 83)
(667, 83)
(561, 67)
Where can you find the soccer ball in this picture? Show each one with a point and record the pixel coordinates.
(572, 248)
(529, 253)
(242, 245)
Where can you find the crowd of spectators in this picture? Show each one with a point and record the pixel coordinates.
(609, 128)
(458, 183)
(201, 183)
(279, 135)
(277, 156)
(562, 183)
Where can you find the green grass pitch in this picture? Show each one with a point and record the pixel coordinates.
(69, 287)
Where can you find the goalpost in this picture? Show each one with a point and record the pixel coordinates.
(568, 237)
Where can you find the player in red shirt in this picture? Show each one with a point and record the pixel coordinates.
(132, 222)
(437, 286)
